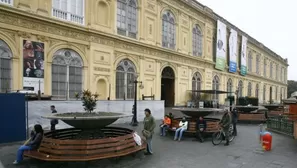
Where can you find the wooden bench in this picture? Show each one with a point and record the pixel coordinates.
(212, 126)
(65, 148)
(251, 117)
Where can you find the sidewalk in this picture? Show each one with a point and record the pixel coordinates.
(244, 152)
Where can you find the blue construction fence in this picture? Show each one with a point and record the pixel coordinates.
(13, 117)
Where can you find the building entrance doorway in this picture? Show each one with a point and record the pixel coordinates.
(167, 86)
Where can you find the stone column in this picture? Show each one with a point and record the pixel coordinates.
(158, 80)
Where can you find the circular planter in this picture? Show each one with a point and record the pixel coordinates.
(88, 120)
(197, 112)
(77, 145)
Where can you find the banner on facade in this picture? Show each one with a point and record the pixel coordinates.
(33, 68)
(243, 67)
(233, 51)
(221, 46)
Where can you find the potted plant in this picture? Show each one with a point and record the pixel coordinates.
(89, 100)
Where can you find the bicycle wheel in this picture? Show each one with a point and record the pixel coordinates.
(217, 138)
(231, 133)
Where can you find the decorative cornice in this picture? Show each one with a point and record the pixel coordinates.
(52, 26)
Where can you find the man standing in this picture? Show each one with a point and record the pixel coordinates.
(148, 130)
(234, 121)
(225, 124)
(54, 122)
(200, 129)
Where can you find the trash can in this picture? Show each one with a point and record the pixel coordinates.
(266, 141)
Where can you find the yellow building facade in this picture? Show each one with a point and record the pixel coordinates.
(64, 46)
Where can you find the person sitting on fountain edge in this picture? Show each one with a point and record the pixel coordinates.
(165, 125)
(183, 126)
(200, 129)
(32, 144)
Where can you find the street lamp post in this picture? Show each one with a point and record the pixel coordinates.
(236, 94)
(134, 118)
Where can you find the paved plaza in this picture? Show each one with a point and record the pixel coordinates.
(244, 152)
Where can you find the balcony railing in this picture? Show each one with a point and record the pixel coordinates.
(7, 2)
(68, 16)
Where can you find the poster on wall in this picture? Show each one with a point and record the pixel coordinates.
(33, 66)
(233, 51)
(221, 46)
(243, 68)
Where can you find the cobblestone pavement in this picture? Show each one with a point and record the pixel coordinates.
(244, 152)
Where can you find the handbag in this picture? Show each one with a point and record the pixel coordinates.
(27, 142)
(137, 139)
(146, 133)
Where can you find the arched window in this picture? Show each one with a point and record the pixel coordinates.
(264, 94)
(67, 74)
(127, 18)
(264, 68)
(197, 41)
(196, 85)
(216, 86)
(229, 87)
(250, 89)
(276, 90)
(276, 72)
(240, 88)
(257, 90)
(271, 70)
(250, 62)
(258, 64)
(168, 30)
(124, 80)
(5, 67)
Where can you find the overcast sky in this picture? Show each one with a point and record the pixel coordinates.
(271, 22)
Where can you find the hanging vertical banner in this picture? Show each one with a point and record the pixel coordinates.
(243, 56)
(233, 51)
(33, 70)
(221, 46)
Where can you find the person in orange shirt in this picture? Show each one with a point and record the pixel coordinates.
(165, 125)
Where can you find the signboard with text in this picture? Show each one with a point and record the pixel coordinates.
(33, 66)
(221, 46)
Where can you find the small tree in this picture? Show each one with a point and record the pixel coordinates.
(89, 100)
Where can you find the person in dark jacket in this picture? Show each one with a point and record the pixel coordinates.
(234, 121)
(225, 123)
(33, 143)
(54, 122)
(200, 129)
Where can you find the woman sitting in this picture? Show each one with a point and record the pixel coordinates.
(33, 143)
(183, 126)
(166, 124)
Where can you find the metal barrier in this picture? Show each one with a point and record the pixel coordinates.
(281, 124)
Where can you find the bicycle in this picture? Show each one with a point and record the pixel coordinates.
(218, 137)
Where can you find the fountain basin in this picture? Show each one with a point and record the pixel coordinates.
(272, 106)
(246, 109)
(88, 120)
(198, 112)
